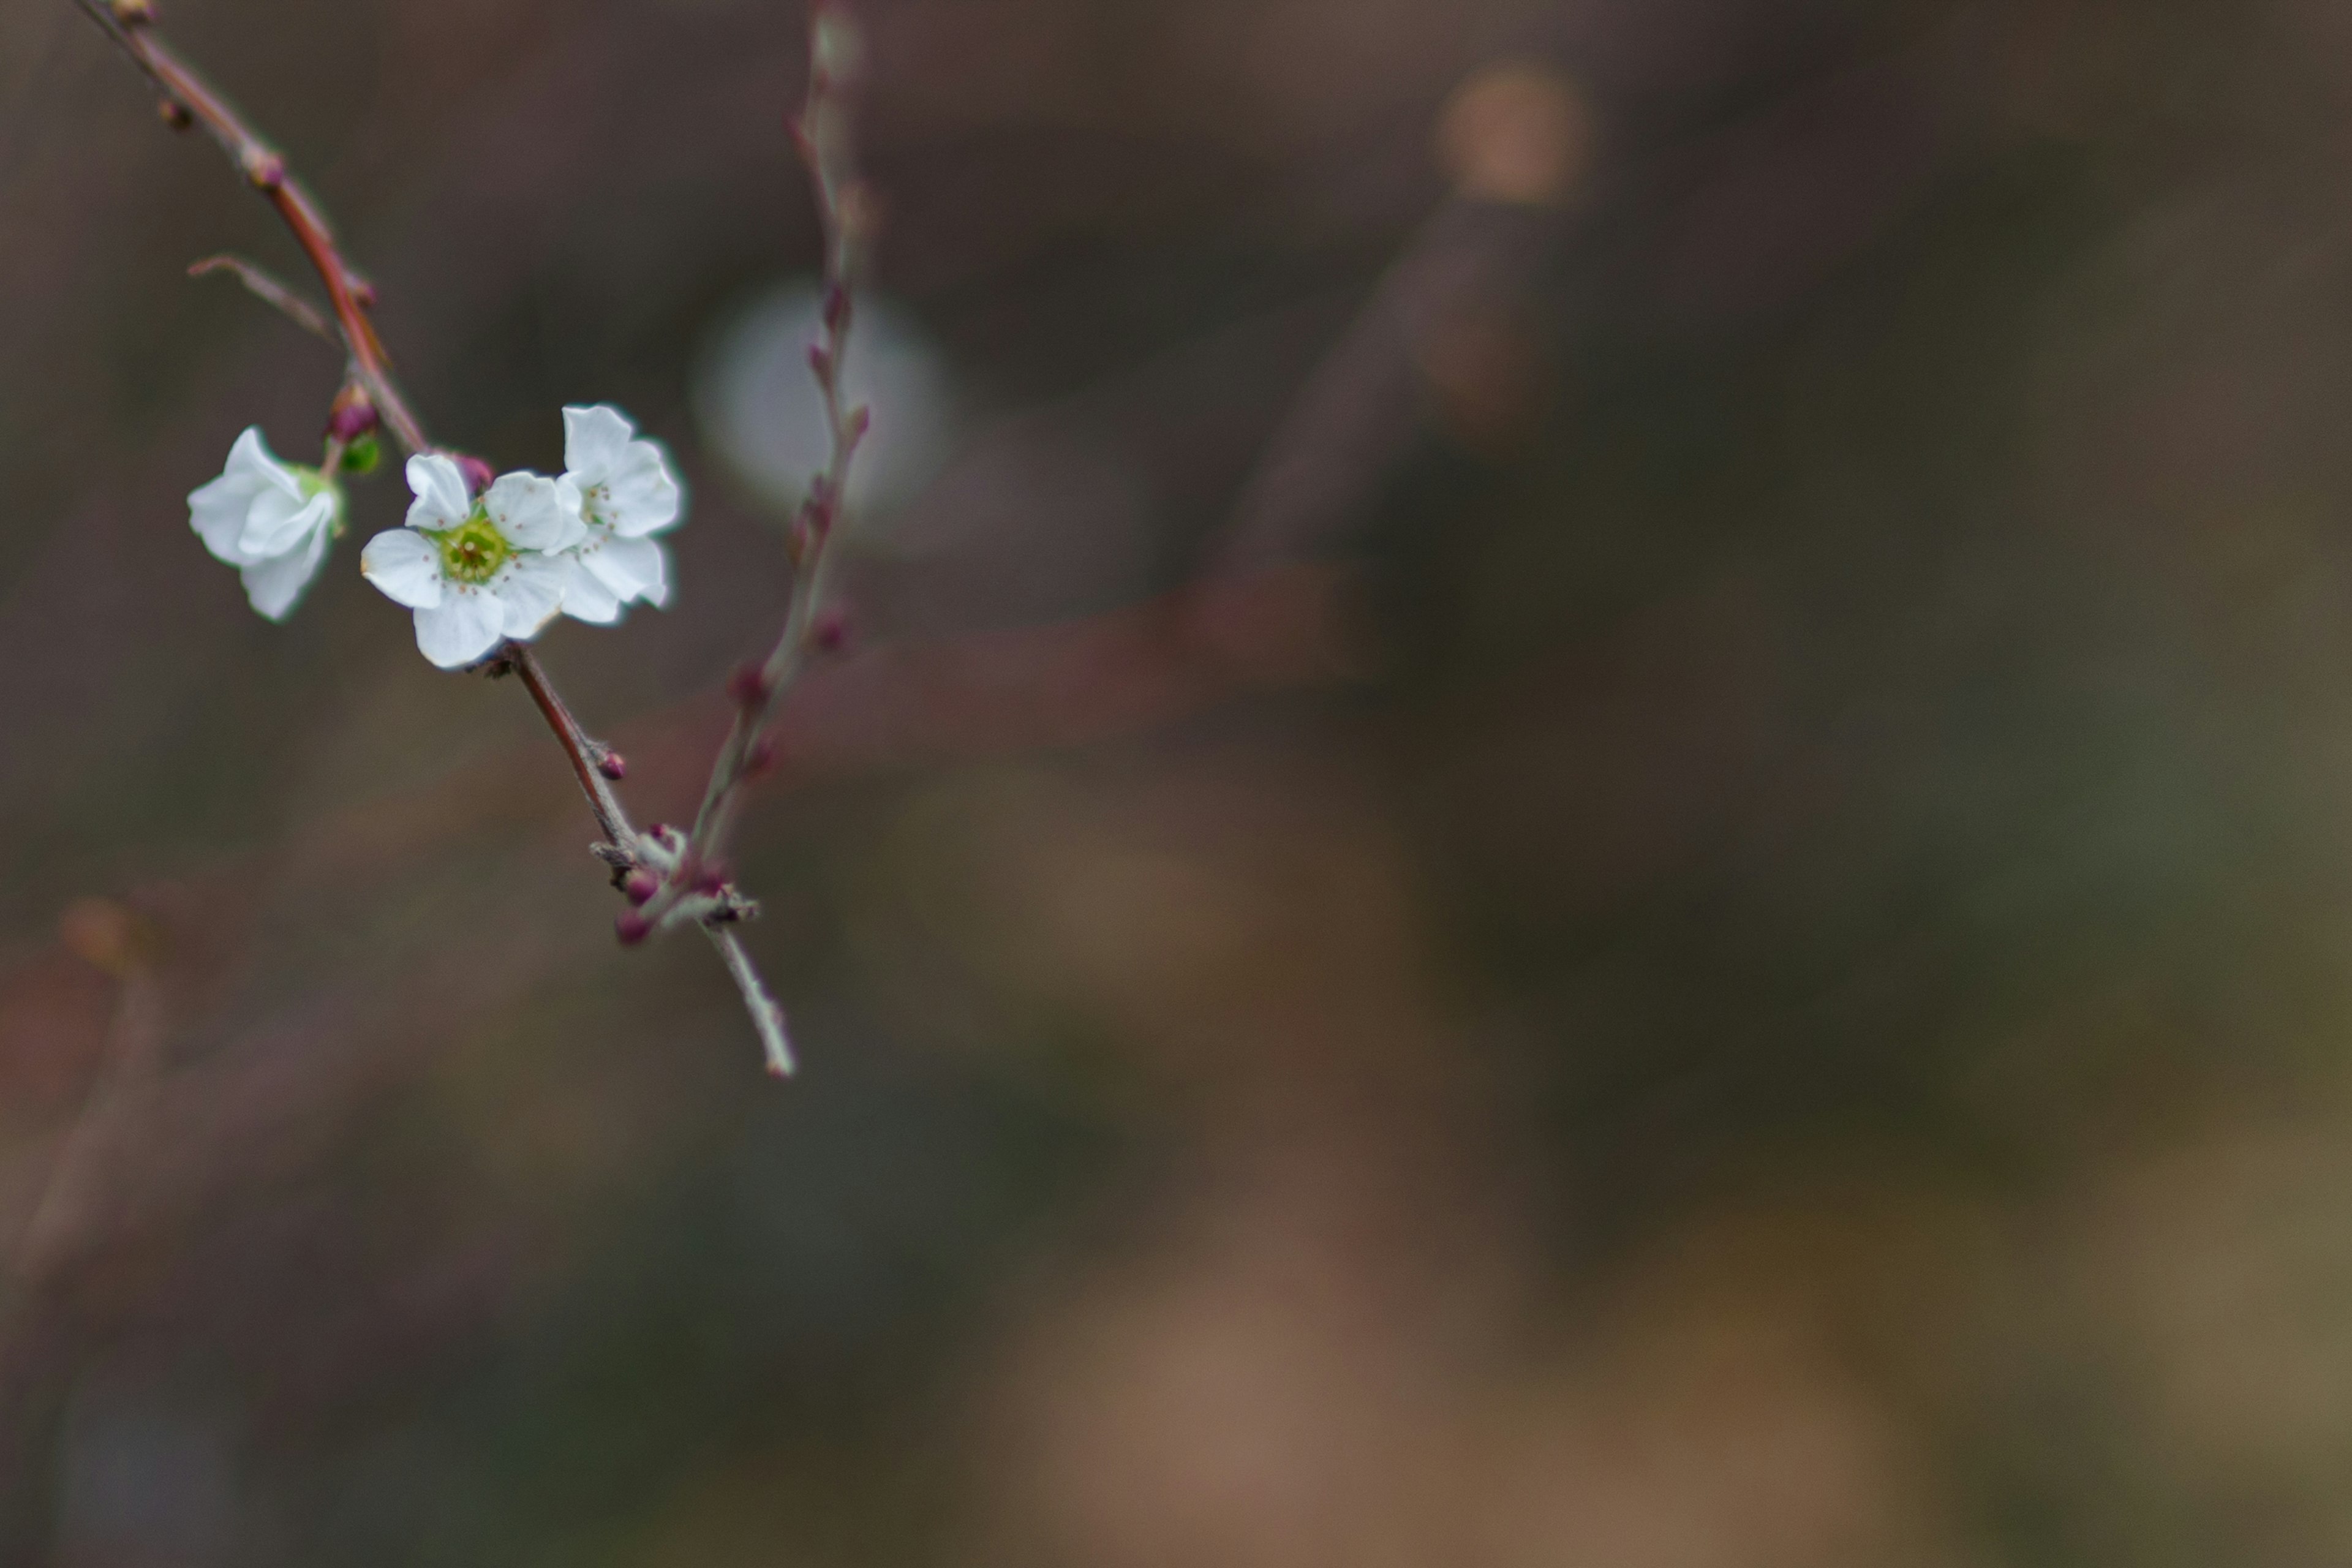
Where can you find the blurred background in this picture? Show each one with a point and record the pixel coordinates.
(1593, 805)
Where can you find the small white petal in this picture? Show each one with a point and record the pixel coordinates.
(632, 568)
(642, 495)
(217, 512)
(441, 502)
(458, 630)
(530, 590)
(585, 598)
(250, 460)
(535, 512)
(405, 565)
(277, 524)
(275, 585)
(594, 440)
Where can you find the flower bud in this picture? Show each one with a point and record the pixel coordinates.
(820, 361)
(133, 13)
(748, 686)
(176, 114)
(352, 414)
(640, 885)
(478, 474)
(631, 927)
(861, 419)
(265, 170)
(611, 765)
(830, 630)
(759, 759)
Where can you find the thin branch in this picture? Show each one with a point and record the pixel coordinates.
(270, 291)
(845, 211)
(129, 24)
(625, 851)
(590, 759)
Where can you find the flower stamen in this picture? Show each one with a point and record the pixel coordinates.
(473, 551)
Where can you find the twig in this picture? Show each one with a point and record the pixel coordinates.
(187, 98)
(590, 759)
(845, 211)
(625, 851)
(270, 291)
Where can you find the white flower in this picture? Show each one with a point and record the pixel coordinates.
(476, 572)
(628, 494)
(272, 520)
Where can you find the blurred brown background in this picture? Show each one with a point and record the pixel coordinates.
(1593, 809)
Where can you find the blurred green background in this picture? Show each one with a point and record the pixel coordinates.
(1591, 807)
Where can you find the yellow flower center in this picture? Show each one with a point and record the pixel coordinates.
(473, 551)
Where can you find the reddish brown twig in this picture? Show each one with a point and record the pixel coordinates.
(187, 98)
(845, 211)
(270, 293)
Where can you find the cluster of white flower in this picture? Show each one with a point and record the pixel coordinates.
(477, 569)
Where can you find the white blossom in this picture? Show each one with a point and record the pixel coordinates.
(628, 494)
(476, 572)
(270, 519)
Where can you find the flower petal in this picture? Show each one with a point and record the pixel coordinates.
(632, 569)
(584, 597)
(642, 495)
(406, 567)
(275, 523)
(530, 590)
(250, 459)
(594, 440)
(458, 630)
(442, 500)
(535, 512)
(217, 512)
(275, 585)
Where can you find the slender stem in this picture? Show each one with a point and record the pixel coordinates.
(766, 1017)
(271, 292)
(264, 168)
(822, 132)
(586, 755)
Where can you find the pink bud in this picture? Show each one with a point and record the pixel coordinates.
(478, 474)
(713, 876)
(640, 885)
(820, 361)
(831, 630)
(836, 309)
(611, 765)
(631, 927)
(352, 414)
(748, 686)
(861, 419)
(362, 290)
(760, 758)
